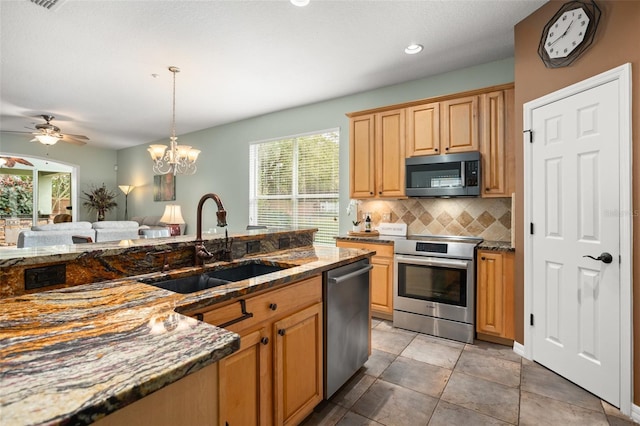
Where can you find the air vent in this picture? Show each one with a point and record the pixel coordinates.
(48, 4)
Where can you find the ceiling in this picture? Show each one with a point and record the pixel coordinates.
(91, 63)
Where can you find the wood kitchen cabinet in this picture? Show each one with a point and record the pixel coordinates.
(191, 400)
(381, 276)
(376, 153)
(496, 148)
(276, 378)
(495, 299)
(443, 127)
(298, 365)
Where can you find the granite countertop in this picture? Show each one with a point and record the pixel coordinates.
(73, 355)
(377, 238)
(496, 246)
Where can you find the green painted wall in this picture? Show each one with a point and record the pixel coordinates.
(96, 165)
(223, 166)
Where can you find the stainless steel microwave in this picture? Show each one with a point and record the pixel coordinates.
(449, 175)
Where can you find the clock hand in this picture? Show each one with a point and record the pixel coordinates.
(563, 34)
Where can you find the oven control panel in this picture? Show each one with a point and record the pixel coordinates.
(431, 247)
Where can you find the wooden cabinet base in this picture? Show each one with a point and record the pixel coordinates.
(494, 339)
(191, 400)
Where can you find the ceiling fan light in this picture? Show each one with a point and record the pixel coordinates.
(47, 139)
(299, 3)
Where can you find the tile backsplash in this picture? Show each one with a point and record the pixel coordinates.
(489, 218)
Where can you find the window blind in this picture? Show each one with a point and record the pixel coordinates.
(294, 182)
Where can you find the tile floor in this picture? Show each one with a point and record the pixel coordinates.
(415, 379)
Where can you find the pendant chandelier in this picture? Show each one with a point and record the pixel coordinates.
(176, 159)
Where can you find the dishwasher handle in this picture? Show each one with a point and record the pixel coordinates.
(341, 278)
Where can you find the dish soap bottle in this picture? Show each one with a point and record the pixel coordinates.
(367, 223)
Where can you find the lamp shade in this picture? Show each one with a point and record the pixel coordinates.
(47, 139)
(126, 188)
(172, 215)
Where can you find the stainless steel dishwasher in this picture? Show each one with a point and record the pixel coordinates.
(346, 323)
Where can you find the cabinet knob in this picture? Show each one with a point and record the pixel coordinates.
(487, 189)
(446, 149)
(371, 193)
(264, 340)
(380, 192)
(273, 306)
(199, 316)
(282, 332)
(436, 150)
(483, 258)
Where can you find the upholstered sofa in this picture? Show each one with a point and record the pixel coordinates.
(63, 233)
(151, 226)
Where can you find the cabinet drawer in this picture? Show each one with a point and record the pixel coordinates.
(266, 306)
(381, 249)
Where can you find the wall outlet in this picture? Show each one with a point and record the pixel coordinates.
(386, 217)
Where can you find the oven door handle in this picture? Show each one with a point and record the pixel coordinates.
(433, 261)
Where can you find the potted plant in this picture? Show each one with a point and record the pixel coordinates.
(356, 226)
(101, 200)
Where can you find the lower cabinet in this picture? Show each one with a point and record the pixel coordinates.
(191, 400)
(381, 276)
(276, 377)
(495, 299)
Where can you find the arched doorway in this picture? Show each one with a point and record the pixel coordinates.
(33, 191)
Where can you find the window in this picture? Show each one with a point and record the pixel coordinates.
(294, 182)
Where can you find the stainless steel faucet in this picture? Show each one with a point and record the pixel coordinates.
(201, 252)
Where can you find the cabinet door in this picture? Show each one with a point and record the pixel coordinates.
(298, 365)
(390, 145)
(361, 156)
(423, 130)
(495, 299)
(244, 382)
(382, 286)
(497, 167)
(490, 294)
(460, 124)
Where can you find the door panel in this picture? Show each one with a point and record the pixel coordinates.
(576, 299)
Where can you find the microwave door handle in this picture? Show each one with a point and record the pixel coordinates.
(462, 174)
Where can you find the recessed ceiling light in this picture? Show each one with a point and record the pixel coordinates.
(412, 49)
(299, 3)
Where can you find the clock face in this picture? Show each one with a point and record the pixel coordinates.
(566, 33)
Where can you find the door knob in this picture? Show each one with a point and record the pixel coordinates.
(604, 257)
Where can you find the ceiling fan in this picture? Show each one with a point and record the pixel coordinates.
(48, 134)
(12, 161)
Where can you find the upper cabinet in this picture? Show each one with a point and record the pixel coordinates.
(377, 145)
(480, 120)
(497, 151)
(459, 125)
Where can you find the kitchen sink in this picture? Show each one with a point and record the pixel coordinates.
(217, 277)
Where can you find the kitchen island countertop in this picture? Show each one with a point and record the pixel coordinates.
(74, 355)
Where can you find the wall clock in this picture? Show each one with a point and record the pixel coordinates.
(569, 33)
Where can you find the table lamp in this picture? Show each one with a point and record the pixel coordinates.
(172, 217)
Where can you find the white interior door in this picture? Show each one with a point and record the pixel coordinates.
(575, 200)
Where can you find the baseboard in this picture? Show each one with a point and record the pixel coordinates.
(518, 348)
(635, 413)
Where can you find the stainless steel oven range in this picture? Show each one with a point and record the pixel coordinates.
(434, 286)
